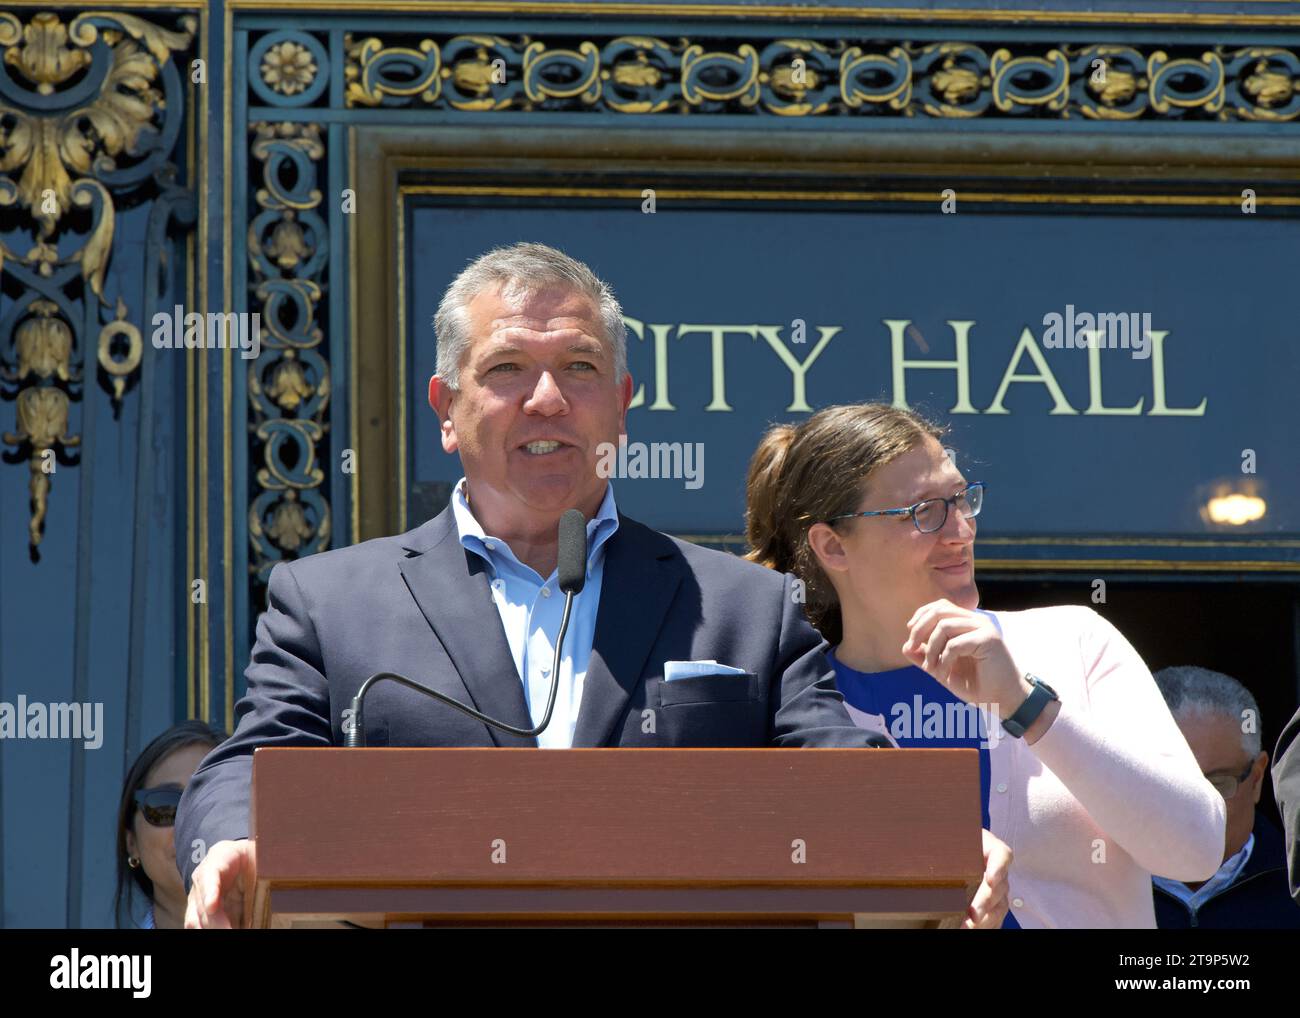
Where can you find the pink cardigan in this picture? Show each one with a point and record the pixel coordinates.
(1110, 794)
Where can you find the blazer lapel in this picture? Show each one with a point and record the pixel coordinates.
(451, 587)
(643, 570)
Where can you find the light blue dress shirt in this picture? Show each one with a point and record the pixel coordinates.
(531, 608)
(1222, 879)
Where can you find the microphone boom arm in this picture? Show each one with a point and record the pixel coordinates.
(354, 733)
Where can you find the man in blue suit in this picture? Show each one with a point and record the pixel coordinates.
(1249, 891)
(669, 644)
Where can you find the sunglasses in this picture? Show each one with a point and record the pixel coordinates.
(158, 805)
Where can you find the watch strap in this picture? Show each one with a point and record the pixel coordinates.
(1039, 697)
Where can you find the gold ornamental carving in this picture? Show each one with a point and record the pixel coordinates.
(288, 68)
(42, 426)
(808, 78)
(57, 165)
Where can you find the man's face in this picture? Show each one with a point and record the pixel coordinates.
(537, 396)
(1216, 743)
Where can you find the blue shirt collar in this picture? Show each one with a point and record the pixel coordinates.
(600, 528)
(1223, 878)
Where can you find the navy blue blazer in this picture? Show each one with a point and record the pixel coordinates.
(1258, 899)
(419, 604)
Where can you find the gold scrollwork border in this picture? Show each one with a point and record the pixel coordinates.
(806, 78)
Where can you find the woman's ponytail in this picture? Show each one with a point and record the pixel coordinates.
(769, 544)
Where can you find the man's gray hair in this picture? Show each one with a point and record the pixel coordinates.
(527, 267)
(1191, 690)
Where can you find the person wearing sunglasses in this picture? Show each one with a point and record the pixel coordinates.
(1083, 772)
(146, 857)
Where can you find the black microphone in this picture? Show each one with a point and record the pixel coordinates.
(572, 565)
(571, 570)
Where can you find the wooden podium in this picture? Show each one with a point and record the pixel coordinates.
(620, 837)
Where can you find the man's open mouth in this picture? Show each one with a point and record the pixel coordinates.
(541, 448)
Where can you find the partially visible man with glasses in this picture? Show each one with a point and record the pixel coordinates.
(1082, 769)
(1221, 722)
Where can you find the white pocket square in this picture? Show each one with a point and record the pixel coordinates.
(695, 669)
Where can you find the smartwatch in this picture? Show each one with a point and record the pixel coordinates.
(1034, 704)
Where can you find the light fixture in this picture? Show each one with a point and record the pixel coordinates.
(1235, 509)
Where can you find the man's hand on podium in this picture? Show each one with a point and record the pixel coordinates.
(219, 887)
(991, 903)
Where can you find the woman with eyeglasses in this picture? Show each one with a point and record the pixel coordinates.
(1083, 772)
(146, 856)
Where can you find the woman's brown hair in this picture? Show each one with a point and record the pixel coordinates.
(805, 474)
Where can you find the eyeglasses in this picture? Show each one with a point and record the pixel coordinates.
(1226, 785)
(932, 513)
(158, 805)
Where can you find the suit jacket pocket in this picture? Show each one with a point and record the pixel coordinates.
(703, 689)
(713, 710)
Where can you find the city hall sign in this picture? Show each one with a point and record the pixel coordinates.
(1102, 343)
